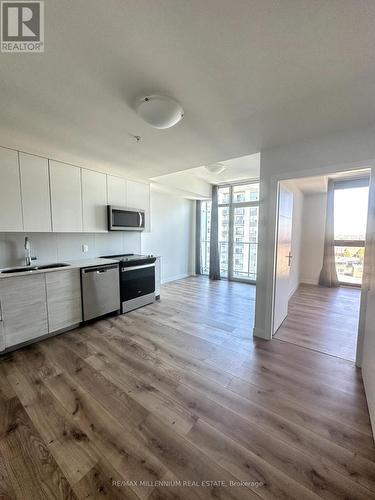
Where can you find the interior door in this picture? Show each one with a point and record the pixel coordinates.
(284, 256)
(368, 347)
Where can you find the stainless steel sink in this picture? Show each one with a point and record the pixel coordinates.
(32, 268)
(52, 266)
(19, 270)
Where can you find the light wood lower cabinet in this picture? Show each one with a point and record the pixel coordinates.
(24, 308)
(63, 299)
(33, 306)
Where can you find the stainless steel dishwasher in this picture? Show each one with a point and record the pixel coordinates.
(100, 290)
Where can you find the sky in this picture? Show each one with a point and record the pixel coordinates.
(351, 212)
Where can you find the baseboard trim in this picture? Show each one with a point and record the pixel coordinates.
(177, 277)
(293, 290)
(260, 333)
(309, 282)
(370, 401)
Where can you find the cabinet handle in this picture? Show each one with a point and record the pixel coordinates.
(1, 313)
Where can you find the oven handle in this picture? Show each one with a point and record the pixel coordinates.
(124, 269)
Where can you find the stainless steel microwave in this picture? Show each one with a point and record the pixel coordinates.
(125, 219)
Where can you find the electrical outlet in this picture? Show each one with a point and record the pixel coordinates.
(85, 248)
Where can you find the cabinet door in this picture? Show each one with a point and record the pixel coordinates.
(138, 196)
(24, 308)
(66, 199)
(36, 202)
(94, 200)
(63, 299)
(116, 191)
(10, 192)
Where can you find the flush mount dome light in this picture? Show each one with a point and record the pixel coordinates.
(215, 168)
(159, 111)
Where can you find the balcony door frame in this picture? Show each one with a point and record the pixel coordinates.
(231, 205)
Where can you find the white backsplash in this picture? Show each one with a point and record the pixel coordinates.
(57, 247)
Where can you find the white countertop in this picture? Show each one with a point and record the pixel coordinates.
(73, 264)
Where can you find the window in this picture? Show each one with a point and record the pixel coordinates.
(238, 231)
(246, 192)
(223, 195)
(350, 220)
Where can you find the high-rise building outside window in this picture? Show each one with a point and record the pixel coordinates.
(238, 231)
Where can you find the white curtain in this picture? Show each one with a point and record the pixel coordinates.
(328, 274)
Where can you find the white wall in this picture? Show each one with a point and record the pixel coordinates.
(312, 244)
(172, 235)
(57, 247)
(295, 269)
(332, 153)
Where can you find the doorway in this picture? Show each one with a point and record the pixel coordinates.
(321, 318)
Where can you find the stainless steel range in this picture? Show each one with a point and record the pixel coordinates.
(137, 280)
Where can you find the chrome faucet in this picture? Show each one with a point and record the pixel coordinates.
(28, 258)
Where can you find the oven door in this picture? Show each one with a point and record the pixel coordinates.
(137, 281)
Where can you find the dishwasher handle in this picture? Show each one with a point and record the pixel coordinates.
(99, 270)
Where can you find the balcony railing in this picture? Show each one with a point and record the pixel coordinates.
(244, 264)
(349, 258)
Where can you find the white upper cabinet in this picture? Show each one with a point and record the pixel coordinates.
(66, 200)
(138, 196)
(36, 202)
(10, 192)
(94, 200)
(40, 195)
(116, 191)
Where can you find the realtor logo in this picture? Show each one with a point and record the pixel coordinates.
(22, 26)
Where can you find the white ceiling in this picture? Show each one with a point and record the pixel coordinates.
(312, 185)
(318, 184)
(236, 169)
(250, 74)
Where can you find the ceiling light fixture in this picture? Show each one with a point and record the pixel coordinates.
(159, 111)
(215, 168)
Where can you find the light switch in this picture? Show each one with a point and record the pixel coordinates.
(85, 248)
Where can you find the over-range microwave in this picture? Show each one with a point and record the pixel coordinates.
(125, 219)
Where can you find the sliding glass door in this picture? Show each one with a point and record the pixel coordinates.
(245, 243)
(238, 231)
(224, 228)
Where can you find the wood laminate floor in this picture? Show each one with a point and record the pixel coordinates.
(323, 319)
(176, 400)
